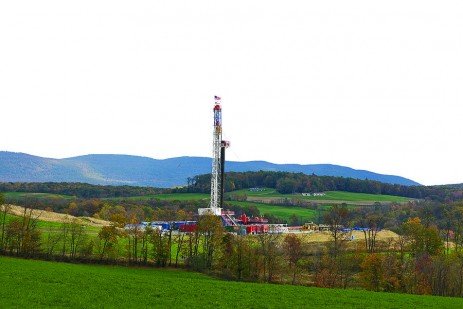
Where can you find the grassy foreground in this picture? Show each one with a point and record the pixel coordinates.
(28, 283)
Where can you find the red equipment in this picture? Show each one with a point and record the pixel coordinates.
(188, 227)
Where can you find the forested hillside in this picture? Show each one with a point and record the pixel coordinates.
(286, 183)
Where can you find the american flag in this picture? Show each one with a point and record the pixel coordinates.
(217, 98)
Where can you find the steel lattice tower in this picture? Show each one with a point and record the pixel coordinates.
(218, 163)
(216, 143)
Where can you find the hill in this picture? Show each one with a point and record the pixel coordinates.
(107, 169)
(29, 283)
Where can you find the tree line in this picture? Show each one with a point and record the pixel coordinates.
(283, 182)
(144, 210)
(80, 190)
(286, 183)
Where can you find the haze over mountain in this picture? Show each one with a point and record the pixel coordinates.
(109, 169)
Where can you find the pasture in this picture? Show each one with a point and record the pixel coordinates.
(29, 195)
(284, 212)
(39, 284)
(268, 194)
(168, 197)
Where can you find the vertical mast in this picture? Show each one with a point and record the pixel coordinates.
(218, 164)
(216, 149)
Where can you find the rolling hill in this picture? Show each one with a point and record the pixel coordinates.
(108, 169)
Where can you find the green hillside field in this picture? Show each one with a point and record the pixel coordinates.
(340, 196)
(283, 212)
(266, 193)
(22, 195)
(169, 197)
(39, 284)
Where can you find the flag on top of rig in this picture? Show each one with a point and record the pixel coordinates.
(217, 98)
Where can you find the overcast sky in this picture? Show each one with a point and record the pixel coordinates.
(366, 84)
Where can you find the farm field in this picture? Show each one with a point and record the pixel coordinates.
(29, 283)
(330, 196)
(52, 223)
(267, 194)
(21, 195)
(53, 217)
(168, 197)
(283, 212)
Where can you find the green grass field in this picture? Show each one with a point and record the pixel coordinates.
(22, 195)
(39, 284)
(42, 225)
(267, 193)
(168, 197)
(284, 212)
(329, 196)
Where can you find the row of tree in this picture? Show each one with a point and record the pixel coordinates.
(286, 183)
(283, 182)
(80, 190)
(144, 209)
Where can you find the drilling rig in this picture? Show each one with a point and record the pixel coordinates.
(218, 163)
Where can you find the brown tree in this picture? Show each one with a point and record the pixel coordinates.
(372, 274)
(269, 250)
(336, 219)
(292, 245)
(211, 230)
(109, 237)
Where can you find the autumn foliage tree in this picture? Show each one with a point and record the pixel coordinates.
(292, 245)
(108, 236)
(372, 274)
(422, 239)
(211, 229)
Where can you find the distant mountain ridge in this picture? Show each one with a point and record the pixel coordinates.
(109, 169)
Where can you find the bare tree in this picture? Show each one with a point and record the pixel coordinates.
(76, 233)
(180, 237)
(336, 219)
(372, 224)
